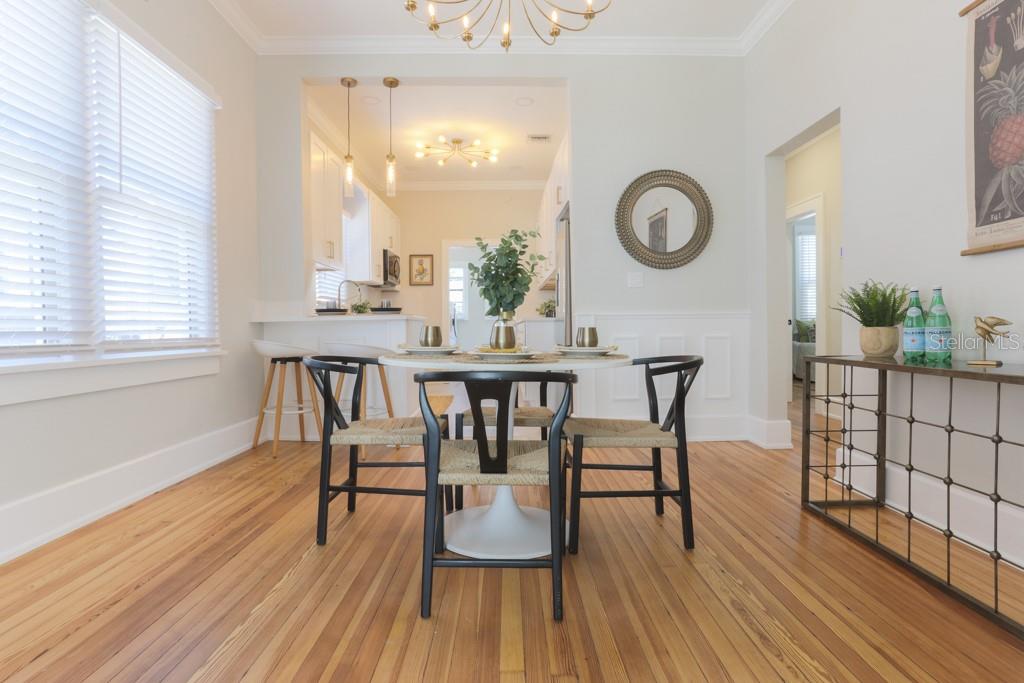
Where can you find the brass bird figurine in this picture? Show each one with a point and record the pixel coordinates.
(986, 327)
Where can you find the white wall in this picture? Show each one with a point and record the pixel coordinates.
(91, 444)
(683, 113)
(628, 115)
(428, 218)
(895, 72)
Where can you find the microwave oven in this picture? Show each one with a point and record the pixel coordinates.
(392, 269)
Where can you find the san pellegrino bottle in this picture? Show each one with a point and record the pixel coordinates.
(914, 330)
(938, 332)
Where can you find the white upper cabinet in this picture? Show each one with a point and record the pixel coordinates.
(371, 227)
(325, 204)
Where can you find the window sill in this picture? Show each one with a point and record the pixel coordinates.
(28, 378)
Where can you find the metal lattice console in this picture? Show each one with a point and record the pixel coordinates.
(926, 465)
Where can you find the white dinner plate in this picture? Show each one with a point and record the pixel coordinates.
(488, 353)
(417, 350)
(585, 351)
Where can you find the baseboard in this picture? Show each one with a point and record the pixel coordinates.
(30, 522)
(770, 434)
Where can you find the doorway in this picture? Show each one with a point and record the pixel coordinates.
(813, 233)
(464, 310)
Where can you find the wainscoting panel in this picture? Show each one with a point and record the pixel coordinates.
(717, 407)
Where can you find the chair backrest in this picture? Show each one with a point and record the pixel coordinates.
(497, 386)
(367, 355)
(321, 368)
(685, 368)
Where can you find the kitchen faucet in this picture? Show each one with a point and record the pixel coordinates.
(359, 288)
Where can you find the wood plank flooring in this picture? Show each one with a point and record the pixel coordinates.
(219, 579)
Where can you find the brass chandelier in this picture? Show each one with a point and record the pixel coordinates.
(469, 19)
(445, 149)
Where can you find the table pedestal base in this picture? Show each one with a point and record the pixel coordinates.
(500, 531)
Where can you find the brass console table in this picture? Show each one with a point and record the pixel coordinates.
(847, 464)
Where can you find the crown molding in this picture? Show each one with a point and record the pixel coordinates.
(419, 44)
(430, 45)
(762, 23)
(471, 185)
(240, 21)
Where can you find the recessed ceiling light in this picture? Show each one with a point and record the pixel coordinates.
(524, 101)
(371, 100)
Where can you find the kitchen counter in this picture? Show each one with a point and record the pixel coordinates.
(347, 317)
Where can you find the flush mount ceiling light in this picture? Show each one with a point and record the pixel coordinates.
(445, 149)
(460, 18)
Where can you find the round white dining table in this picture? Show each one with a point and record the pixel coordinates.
(504, 529)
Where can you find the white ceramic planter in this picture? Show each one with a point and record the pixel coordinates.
(879, 342)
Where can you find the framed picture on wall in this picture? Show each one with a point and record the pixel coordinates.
(421, 270)
(995, 127)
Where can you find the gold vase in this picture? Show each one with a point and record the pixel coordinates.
(503, 333)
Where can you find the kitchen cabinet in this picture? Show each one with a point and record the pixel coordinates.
(370, 228)
(326, 204)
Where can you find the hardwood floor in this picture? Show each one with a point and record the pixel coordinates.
(219, 579)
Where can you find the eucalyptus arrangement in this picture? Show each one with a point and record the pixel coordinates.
(879, 308)
(547, 308)
(504, 275)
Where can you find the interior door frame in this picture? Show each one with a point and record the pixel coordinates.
(446, 245)
(815, 204)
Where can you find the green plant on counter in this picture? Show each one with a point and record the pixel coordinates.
(547, 308)
(874, 304)
(361, 307)
(505, 272)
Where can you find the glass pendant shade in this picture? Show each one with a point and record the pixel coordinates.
(350, 176)
(391, 180)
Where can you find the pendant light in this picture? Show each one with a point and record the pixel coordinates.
(350, 163)
(390, 83)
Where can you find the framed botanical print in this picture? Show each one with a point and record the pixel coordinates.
(995, 126)
(421, 270)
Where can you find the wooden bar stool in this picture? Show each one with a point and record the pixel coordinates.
(364, 355)
(281, 356)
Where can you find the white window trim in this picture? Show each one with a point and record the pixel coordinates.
(24, 379)
(34, 376)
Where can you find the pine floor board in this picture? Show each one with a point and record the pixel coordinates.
(218, 578)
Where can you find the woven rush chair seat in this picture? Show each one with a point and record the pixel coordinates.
(609, 433)
(526, 416)
(527, 464)
(397, 431)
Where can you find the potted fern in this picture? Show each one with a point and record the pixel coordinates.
(879, 308)
(504, 275)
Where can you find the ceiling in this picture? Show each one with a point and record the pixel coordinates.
(501, 115)
(628, 26)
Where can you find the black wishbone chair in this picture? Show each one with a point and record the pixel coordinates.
(610, 433)
(523, 416)
(407, 431)
(501, 462)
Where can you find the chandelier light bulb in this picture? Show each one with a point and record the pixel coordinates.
(420, 155)
(476, 143)
(546, 19)
(474, 163)
(440, 162)
(442, 139)
(493, 158)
